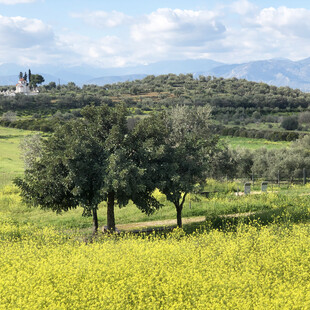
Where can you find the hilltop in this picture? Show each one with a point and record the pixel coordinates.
(239, 107)
(277, 72)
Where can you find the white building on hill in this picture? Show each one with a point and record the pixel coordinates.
(22, 87)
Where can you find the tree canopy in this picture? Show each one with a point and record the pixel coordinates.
(86, 162)
(35, 80)
(189, 147)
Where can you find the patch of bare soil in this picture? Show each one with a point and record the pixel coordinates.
(141, 226)
(162, 223)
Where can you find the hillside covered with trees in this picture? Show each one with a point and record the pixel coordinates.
(239, 107)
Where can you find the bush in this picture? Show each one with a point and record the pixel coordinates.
(290, 123)
(304, 117)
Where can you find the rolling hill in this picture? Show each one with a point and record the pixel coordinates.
(278, 72)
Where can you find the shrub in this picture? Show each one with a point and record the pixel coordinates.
(290, 123)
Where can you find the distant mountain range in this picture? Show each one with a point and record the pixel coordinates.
(278, 72)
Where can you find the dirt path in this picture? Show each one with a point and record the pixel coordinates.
(162, 223)
(173, 222)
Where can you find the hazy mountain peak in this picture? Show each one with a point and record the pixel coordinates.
(277, 71)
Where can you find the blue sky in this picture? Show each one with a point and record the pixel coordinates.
(126, 33)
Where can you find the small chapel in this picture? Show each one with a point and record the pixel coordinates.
(22, 87)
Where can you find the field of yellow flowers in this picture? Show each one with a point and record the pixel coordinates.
(254, 267)
(46, 263)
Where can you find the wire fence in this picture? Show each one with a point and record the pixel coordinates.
(255, 181)
(279, 180)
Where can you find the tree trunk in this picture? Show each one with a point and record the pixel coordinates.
(179, 215)
(95, 220)
(179, 207)
(110, 212)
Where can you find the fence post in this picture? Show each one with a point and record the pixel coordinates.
(304, 176)
(279, 177)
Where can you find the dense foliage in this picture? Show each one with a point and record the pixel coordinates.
(286, 163)
(233, 101)
(189, 151)
(86, 162)
(98, 158)
(240, 131)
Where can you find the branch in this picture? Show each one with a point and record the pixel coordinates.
(183, 200)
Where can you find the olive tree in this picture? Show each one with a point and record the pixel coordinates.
(189, 147)
(89, 161)
(290, 123)
(31, 148)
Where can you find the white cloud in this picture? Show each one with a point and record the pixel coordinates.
(21, 32)
(24, 40)
(103, 52)
(178, 34)
(103, 19)
(12, 2)
(175, 34)
(161, 35)
(167, 27)
(268, 33)
(295, 22)
(243, 7)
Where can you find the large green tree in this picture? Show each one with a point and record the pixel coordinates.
(35, 80)
(189, 147)
(89, 161)
(67, 173)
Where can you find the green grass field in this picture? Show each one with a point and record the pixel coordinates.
(250, 143)
(267, 208)
(11, 206)
(10, 163)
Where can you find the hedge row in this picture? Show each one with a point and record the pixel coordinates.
(31, 124)
(260, 134)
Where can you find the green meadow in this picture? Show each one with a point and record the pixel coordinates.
(224, 200)
(251, 143)
(11, 164)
